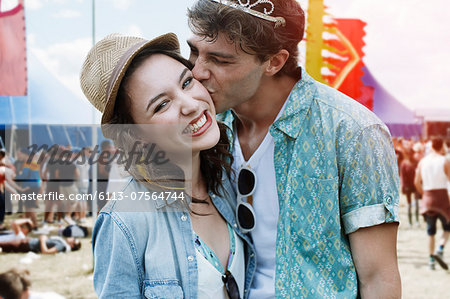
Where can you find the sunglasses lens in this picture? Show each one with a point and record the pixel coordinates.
(245, 217)
(231, 285)
(246, 181)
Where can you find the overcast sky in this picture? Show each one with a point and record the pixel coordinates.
(407, 44)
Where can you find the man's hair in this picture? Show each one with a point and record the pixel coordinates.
(76, 245)
(13, 283)
(27, 226)
(437, 143)
(254, 35)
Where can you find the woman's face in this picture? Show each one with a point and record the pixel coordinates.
(171, 106)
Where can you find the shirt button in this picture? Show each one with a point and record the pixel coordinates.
(245, 291)
(213, 196)
(190, 258)
(183, 218)
(235, 225)
(252, 255)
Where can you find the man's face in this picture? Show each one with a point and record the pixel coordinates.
(230, 75)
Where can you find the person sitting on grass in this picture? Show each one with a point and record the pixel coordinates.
(43, 244)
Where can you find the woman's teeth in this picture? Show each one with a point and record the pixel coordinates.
(192, 129)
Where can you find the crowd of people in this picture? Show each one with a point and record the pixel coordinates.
(424, 168)
(57, 183)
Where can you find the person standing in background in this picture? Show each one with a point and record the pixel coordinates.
(407, 173)
(432, 177)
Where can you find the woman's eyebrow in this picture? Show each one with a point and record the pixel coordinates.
(154, 100)
(182, 74)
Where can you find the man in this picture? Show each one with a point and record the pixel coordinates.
(432, 177)
(20, 229)
(67, 175)
(326, 180)
(43, 244)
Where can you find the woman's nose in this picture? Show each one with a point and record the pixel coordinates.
(189, 105)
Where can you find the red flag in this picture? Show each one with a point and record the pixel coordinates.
(13, 64)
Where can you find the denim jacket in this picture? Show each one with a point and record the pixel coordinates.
(145, 249)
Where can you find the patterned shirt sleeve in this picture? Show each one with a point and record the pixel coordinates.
(369, 180)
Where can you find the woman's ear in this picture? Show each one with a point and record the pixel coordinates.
(276, 62)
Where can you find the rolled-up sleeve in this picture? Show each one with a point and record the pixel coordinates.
(116, 271)
(369, 192)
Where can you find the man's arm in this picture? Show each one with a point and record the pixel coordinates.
(374, 251)
(15, 224)
(44, 248)
(418, 179)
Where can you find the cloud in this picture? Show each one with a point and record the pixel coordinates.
(121, 4)
(38, 4)
(134, 30)
(67, 14)
(33, 4)
(64, 60)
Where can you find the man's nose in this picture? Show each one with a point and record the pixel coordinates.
(200, 71)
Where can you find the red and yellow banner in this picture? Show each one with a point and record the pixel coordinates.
(334, 53)
(13, 64)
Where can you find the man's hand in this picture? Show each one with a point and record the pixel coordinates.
(374, 251)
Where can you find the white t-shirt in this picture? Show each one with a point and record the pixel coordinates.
(12, 237)
(433, 173)
(266, 207)
(210, 284)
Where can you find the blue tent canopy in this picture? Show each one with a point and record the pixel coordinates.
(401, 121)
(54, 113)
(50, 101)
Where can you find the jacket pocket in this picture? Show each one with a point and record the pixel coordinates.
(161, 289)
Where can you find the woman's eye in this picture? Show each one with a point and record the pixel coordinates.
(160, 106)
(187, 82)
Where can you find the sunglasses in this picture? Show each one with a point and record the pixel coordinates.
(245, 215)
(230, 285)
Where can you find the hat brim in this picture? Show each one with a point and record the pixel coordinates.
(167, 42)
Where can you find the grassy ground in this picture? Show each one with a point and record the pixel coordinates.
(70, 274)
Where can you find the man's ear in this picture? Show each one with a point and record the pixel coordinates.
(276, 62)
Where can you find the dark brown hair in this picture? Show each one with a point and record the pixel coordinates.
(437, 143)
(212, 161)
(254, 35)
(13, 283)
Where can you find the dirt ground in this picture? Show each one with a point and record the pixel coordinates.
(70, 274)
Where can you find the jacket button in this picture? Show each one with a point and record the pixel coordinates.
(190, 258)
(183, 218)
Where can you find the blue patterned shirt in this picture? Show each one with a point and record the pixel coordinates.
(336, 172)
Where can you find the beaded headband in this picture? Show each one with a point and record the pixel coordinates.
(246, 7)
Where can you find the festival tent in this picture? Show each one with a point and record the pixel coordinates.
(401, 121)
(53, 113)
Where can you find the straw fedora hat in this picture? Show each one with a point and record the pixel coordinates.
(107, 62)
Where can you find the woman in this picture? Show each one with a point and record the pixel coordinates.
(407, 173)
(173, 249)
